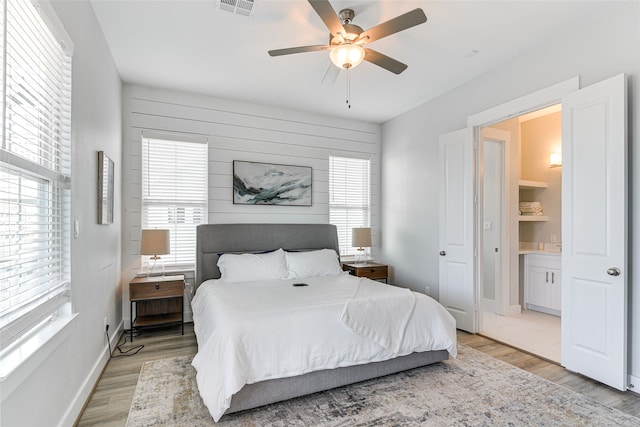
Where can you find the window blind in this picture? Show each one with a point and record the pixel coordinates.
(349, 198)
(174, 193)
(35, 168)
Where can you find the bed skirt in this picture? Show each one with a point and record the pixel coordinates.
(276, 390)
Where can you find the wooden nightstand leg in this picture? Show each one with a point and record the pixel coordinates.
(182, 324)
(131, 316)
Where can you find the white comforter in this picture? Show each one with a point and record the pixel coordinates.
(250, 332)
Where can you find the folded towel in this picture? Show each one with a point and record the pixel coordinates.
(530, 207)
(531, 213)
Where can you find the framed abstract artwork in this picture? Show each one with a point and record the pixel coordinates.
(106, 174)
(271, 184)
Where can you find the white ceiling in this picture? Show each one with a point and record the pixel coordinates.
(190, 45)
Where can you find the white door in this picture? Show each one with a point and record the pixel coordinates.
(594, 224)
(494, 199)
(457, 266)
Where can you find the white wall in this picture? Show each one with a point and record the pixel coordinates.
(55, 392)
(238, 131)
(409, 167)
(540, 137)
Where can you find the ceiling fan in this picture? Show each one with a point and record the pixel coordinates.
(346, 40)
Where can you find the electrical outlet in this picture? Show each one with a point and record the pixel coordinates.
(427, 290)
(105, 325)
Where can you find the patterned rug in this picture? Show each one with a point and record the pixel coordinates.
(473, 390)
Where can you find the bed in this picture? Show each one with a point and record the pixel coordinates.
(264, 341)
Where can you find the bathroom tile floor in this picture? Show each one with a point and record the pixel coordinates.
(531, 331)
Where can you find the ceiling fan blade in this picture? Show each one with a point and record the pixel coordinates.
(331, 74)
(300, 49)
(392, 26)
(384, 61)
(325, 11)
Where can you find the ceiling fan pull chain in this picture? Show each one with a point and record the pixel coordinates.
(348, 87)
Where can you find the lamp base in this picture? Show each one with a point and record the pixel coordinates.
(155, 267)
(361, 256)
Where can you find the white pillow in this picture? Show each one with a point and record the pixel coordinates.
(235, 268)
(323, 262)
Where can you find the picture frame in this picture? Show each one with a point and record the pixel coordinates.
(257, 183)
(106, 185)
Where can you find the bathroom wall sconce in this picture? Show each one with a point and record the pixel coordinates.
(555, 160)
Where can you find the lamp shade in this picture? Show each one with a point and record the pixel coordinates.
(154, 242)
(347, 55)
(555, 160)
(361, 237)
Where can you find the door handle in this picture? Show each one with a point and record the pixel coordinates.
(613, 271)
(442, 253)
(553, 277)
(546, 280)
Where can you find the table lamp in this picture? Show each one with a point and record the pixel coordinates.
(155, 242)
(361, 238)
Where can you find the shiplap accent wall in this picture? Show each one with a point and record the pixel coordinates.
(238, 130)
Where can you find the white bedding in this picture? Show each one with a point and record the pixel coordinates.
(255, 331)
(380, 312)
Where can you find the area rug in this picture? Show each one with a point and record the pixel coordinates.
(473, 390)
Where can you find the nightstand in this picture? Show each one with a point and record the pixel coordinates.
(158, 300)
(371, 270)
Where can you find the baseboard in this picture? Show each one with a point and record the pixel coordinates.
(488, 305)
(512, 310)
(634, 384)
(545, 310)
(81, 398)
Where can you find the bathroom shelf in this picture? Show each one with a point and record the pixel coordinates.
(526, 218)
(526, 184)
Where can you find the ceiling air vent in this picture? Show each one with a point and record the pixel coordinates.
(239, 7)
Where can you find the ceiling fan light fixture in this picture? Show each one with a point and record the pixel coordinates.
(347, 55)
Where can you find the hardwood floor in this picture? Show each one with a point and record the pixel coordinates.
(628, 402)
(109, 404)
(110, 401)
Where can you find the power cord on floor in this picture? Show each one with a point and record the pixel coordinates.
(123, 353)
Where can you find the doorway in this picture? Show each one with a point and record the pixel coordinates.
(520, 304)
(594, 225)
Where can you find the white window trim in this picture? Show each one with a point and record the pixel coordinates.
(50, 17)
(173, 137)
(352, 256)
(23, 356)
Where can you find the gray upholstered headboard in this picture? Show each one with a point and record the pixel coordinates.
(216, 239)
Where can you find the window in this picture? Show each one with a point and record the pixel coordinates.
(35, 168)
(174, 194)
(349, 198)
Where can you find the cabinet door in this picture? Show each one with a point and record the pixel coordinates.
(556, 289)
(538, 280)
